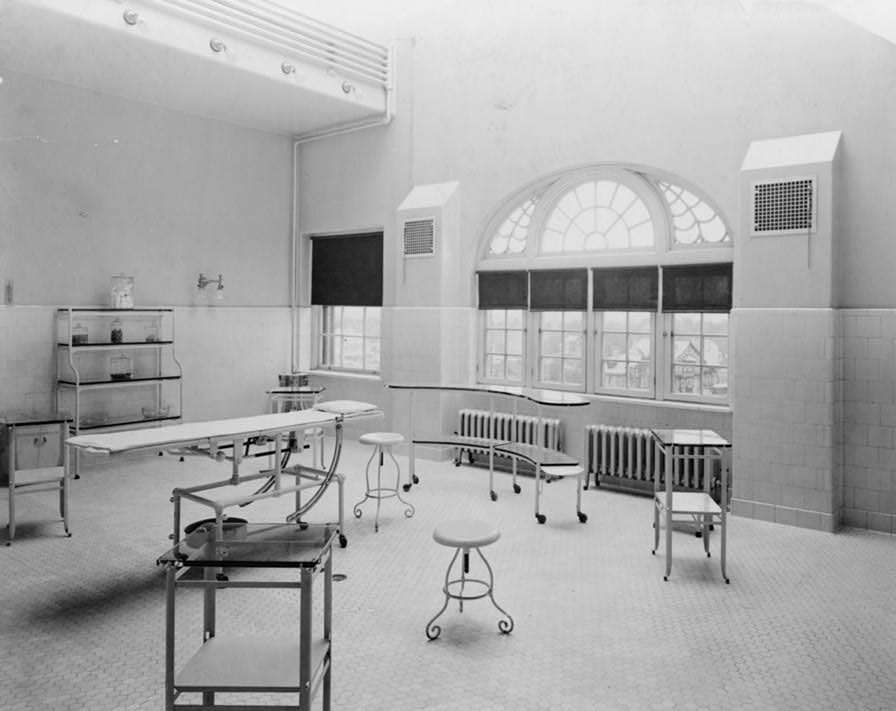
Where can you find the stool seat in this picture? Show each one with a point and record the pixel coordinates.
(465, 533)
(381, 438)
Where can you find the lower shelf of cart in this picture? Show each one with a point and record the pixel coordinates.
(249, 664)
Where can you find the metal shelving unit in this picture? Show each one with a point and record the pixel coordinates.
(129, 378)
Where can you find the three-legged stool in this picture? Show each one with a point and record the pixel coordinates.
(463, 535)
(382, 443)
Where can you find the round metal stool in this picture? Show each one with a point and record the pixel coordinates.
(382, 444)
(463, 535)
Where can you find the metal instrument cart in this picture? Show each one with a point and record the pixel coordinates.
(298, 664)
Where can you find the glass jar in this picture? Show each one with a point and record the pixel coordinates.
(152, 333)
(120, 367)
(116, 335)
(79, 335)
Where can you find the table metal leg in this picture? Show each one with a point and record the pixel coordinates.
(63, 484)
(726, 467)
(328, 614)
(11, 465)
(305, 640)
(208, 616)
(671, 464)
(170, 577)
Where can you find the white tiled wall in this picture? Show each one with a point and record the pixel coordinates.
(786, 415)
(869, 416)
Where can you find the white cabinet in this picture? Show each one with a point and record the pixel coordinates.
(116, 368)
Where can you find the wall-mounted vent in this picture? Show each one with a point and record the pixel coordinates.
(783, 206)
(419, 238)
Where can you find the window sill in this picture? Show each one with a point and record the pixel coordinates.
(666, 404)
(347, 374)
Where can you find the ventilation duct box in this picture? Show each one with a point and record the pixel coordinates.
(428, 233)
(788, 254)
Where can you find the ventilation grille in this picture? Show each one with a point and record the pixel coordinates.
(784, 206)
(419, 238)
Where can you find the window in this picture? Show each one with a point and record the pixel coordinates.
(624, 342)
(347, 289)
(561, 352)
(505, 338)
(597, 243)
(350, 338)
(699, 358)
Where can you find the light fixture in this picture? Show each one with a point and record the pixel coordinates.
(288, 68)
(130, 17)
(204, 281)
(216, 45)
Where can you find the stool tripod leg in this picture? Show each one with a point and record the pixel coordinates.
(505, 626)
(433, 630)
(379, 491)
(409, 511)
(357, 507)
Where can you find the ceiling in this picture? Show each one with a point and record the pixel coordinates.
(164, 58)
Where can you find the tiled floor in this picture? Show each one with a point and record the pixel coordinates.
(808, 621)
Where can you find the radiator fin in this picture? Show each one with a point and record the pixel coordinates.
(509, 427)
(626, 457)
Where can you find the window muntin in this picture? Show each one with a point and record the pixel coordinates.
(624, 351)
(597, 216)
(511, 237)
(504, 336)
(561, 349)
(693, 220)
(699, 357)
(349, 338)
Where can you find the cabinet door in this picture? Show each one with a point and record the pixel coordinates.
(36, 447)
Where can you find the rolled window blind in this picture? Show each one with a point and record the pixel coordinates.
(559, 290)
(698, 287)
(347, 270)
(627, 289)
(503, 290)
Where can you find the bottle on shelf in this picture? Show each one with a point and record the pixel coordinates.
(116, 334)
(120, 367)
(152, 332)
(79, 334)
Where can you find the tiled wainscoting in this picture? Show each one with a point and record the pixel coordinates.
(814, 416)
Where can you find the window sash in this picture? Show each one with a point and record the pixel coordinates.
(621, 382)
(499, 363)
(339, 344)
(690, 374)
(563, 365)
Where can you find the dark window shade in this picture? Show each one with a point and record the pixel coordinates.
(503, 290)
(704, 287)
(347, 270)
(630, 289)
(559, 290)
